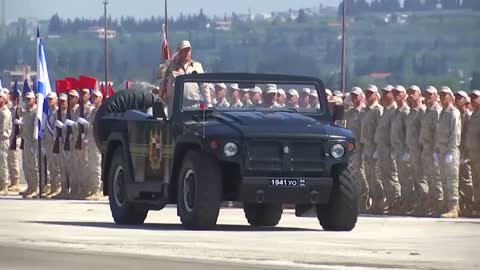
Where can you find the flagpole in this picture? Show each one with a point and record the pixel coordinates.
(105, 3)
(344, 46)
(39, 125)
(166, 19)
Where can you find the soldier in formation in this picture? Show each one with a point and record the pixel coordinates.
(419, 150)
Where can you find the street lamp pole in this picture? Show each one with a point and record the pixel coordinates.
(105, 3)
(344, 45)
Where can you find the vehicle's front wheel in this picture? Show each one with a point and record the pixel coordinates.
(341, 212)
(123, 211)
(263, 214)
(199, 191)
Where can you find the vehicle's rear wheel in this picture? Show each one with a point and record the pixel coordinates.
(341, 212)
(123, 211)
(263, 214)
(199, 191)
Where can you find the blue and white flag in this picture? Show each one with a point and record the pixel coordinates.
(43, 88)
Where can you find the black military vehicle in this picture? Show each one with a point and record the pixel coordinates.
(263, 154)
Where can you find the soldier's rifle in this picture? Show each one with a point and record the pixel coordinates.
(16, 128)
(60, 86)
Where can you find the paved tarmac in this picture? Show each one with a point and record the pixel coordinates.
(43, 234)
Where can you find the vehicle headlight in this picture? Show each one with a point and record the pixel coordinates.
(337, 151)
(230, 149)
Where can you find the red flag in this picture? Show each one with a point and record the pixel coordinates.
(110, 91)
(127, 84)
(87, 82)
(165, 50)
(73, 83)
(60, 86)
(102, 90)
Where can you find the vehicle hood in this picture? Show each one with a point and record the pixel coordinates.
(257, 124)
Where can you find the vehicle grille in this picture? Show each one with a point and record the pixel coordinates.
(267, 158)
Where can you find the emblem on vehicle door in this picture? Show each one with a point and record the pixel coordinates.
(155, 149)
(286, 149)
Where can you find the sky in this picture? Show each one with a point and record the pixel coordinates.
(44, 9)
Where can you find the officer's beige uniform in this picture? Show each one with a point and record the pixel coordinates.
(5, 131)
(473, 142)
(447, 144)
(369, 124)
(30, 151)
(13, 157)
(192, 92)
(386, 165)
(427, 138)
(465, 177)
(413, 126)
(53, 160)
(353, 118)
(94, 156)
(399, 149)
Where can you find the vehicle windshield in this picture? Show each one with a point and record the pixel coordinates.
(251, 96)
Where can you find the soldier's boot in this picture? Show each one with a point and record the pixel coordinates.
(3, 189)
(31, 195)
(363, 205)
(452, 211)
(395, 206)
(55, 190)
(14, 186)
(437, 208)
(61, 196)
(420, 209)
(377, 208)
(46, 190)
(93, 197)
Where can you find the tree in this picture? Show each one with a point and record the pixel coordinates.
(475, 83)
(412, 5)
(431, 4)
(302, 17)
(55, 24)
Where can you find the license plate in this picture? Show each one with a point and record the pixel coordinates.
(286, 182)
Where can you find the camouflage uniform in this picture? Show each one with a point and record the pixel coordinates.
(369, 124)
(428, 132)
(81, 155)
(465, 177)
(447, 144)
(473, 142)
(13, 164)
(30, 151)
(353, 118)
(94, 156)
(73, 165)
(53, 160)
(63, 164)
(5, 130)
(413, 126)
(399, 151)
(386, 165)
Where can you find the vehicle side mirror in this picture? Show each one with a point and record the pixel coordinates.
(158, 110)
(338, 112)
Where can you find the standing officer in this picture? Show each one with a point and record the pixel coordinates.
(414, 152)
(399, 147)
(428, 131)
(81, 155)
(63, 156)
(447, 142)
(184, 64)
(354, 117)
(369, 123)
(473, 142)
(5, 130)
(49, 140)
(73, 166)
(13, 165)
(94, 155)
(30, 150)
(465, 177)
(386, 165)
